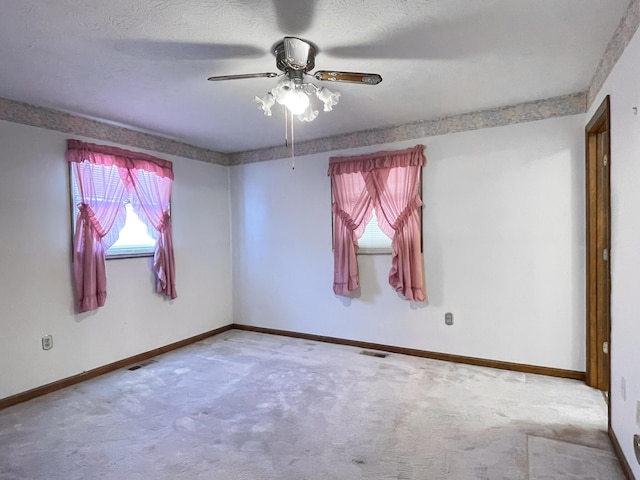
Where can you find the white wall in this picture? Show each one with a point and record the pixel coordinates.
(35, 261)
(503, 239)
(623, 85)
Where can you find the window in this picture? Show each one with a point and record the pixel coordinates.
(134, 239)
(390, 182)
(107, 179)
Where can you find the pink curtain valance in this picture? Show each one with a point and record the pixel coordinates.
(78, 152)
(411, 157)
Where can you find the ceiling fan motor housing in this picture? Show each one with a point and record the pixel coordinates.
(295, 54)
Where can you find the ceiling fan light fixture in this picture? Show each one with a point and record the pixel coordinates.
(293, 96)
(296, 97)
(295, 57)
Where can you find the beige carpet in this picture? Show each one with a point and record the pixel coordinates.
(250, 406)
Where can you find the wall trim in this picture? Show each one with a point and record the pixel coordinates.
(41, 117)
(96, 372)
(562, 106)
(616, 47)
(480, 362)
(620, 454)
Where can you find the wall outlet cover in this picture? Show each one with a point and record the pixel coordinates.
(448, 318)
(47, 342)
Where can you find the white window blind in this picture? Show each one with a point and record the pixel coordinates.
(373, 240)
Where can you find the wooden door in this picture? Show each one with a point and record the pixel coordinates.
(598, 166)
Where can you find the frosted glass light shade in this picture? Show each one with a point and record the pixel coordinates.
(281, 90)
(296, 101)
(328, 97)
(265, 103)
(308, 115)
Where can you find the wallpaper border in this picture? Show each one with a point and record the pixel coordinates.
(616, 47)
(524, 112)
(26, 114)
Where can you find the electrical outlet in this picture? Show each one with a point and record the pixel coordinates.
(638, 413)
(47, 342)
(448, 318)
(623, 388)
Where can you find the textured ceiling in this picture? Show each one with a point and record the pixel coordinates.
(144, 63)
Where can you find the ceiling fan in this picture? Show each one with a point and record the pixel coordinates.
(295, 57)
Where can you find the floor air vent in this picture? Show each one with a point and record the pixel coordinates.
(142, 364)
(373, 354)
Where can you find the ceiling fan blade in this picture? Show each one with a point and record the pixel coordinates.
(438, 41)
(350, 77)
(294, 16)
(242, 76)
(180, 51)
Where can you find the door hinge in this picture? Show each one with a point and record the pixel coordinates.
(605, 254)
(605, 160)
(605, 348)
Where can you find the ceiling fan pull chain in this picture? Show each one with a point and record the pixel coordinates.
(286, 127)
(293, 141)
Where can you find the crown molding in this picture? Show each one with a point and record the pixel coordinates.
(524, 112)
(26, 114)
(618, 43)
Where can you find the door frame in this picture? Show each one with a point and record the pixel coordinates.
(597, 328)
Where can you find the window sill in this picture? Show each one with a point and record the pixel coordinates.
(375, 251)
(129, 253)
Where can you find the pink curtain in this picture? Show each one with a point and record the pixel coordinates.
(391, 181)
(353, 208)
(398, 203)
(151, 204)
(101, 216)
(107, 178)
